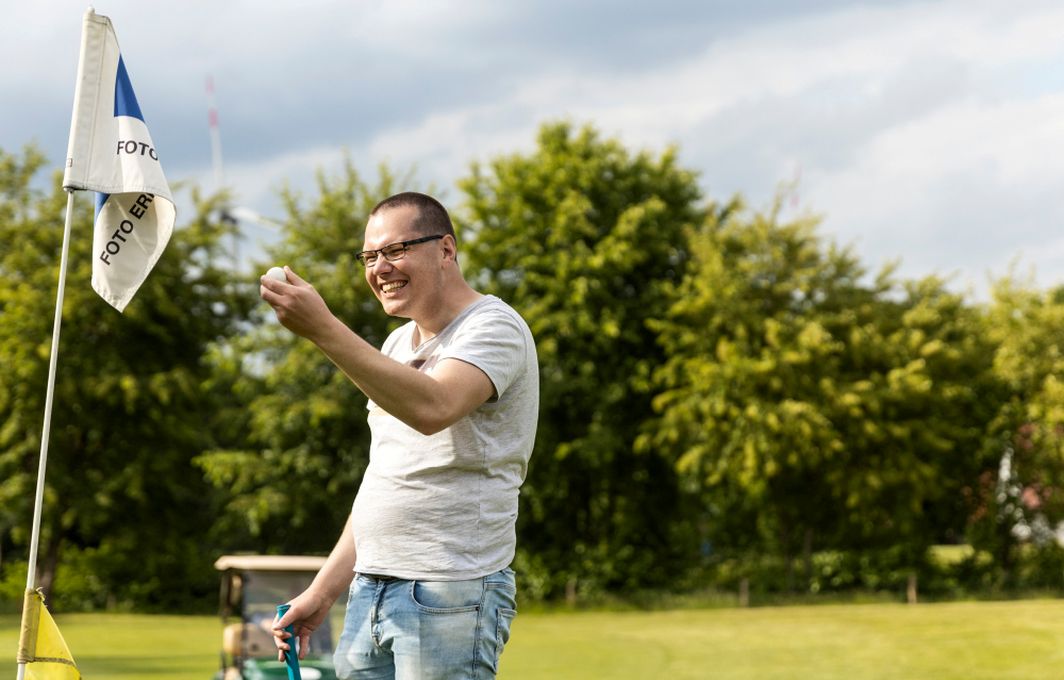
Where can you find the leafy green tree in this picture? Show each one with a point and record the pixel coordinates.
(123, 501)
(1027, 432)
(296, 441)
(749, 356)
(581, 237)
(815, 410)
(937, 391)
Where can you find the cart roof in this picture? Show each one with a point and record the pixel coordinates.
(269, 562)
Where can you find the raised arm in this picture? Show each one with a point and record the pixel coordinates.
(427, 403)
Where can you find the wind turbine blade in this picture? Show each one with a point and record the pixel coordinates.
(242, 214)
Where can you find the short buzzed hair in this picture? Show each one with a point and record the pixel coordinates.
(432, 217)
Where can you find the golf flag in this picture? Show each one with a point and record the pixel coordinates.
(40, 645)
(111, 152)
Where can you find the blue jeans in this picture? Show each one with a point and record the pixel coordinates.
(426, 630)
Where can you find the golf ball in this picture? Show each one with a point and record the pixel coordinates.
(276, 273)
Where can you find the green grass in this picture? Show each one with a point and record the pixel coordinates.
(991, 640)
(969, 640)
(133, 646)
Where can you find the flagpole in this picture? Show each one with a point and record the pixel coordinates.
(38, 501)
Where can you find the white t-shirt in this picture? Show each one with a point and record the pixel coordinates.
(443, 507)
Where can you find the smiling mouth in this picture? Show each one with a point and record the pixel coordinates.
(392, 286)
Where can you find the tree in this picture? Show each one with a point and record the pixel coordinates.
(812, 409)
(581, 237)
(123, 502)
(1024, 500)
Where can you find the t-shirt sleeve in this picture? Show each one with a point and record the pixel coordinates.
(495, 341)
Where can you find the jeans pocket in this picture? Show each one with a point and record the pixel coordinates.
(447, 597)
(504, 618)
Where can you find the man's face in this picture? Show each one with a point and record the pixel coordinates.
(408, 284)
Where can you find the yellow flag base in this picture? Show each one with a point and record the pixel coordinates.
(40, 645)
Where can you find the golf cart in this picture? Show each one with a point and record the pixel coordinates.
(252, 587)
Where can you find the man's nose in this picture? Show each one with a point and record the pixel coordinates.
(382, 264)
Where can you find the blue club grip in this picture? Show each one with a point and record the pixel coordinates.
(291, 657)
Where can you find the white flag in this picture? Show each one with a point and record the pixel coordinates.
(111, 152)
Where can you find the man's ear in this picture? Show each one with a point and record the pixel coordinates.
(450, 248)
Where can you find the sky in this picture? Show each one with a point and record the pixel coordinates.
(925, 132)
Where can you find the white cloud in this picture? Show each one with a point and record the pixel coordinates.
(925, 130)
(966, 188)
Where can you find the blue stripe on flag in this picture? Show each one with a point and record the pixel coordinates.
(125, 101)
(101, 198)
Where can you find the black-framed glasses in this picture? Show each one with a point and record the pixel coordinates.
(392, 251)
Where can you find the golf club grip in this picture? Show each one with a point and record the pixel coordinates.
(291, 657)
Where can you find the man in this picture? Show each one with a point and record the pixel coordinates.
(453, 403)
